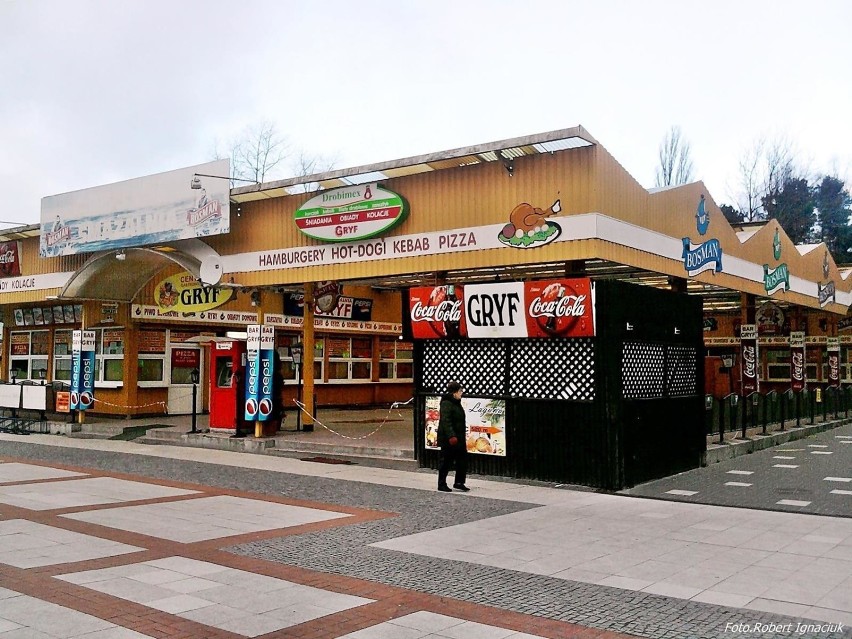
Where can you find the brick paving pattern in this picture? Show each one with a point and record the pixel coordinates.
(398, 594)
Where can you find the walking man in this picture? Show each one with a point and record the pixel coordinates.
(451, 439)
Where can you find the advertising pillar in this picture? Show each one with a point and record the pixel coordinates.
(749, 359)
(265, 384)
(833, 349)
(82, 370)
(252, 372)
(797, 361)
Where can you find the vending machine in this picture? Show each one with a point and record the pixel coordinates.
(227, 385)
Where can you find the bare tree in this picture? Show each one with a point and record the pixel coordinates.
(764, 168)
(258, 154)
(751, 184)
(255, 153)
(675, 165)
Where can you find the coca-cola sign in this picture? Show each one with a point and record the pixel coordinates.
(797, 360)
(553, 308)
(10, 259)
(436, 311)
(749, 358)
(561, 308)
(833, 349)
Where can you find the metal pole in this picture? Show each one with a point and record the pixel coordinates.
(299, 396)
(194, 408)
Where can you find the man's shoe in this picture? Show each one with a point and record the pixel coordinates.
(461, 487)
(445, 489)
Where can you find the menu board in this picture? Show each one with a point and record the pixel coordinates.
(152, 341)
(338, 347)
(41, 342)
(19, 317)
(47, 312)
(58, 316)
(387, 348)
(78, 312)
(20, 343)
(62, 343)
(68, 311)
(38, 317)
(28, 317)
(362, 347)
(114, 342)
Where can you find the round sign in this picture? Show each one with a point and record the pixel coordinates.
(265, 407)
(75, 398)
(251, 407)
(86, 398)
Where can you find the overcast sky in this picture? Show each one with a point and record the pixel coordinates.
(96, 92)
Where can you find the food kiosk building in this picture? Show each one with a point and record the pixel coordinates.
(454, 243)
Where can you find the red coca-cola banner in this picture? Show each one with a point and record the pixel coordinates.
(749, 358)
(797, 361)
(553, 308)
(833, 349)
(436, 312)
(561, 308)
(10, 259)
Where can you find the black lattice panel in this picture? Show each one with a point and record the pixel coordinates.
(553, 369)
(642, 367)
(477, 364)
(682, 371)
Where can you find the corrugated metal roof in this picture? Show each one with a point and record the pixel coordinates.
(503, 150)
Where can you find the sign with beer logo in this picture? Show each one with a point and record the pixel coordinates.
(10, 259)
(561, 308)
(776, 278)
(184, 294)
(436, 311)
(826, 293)
(750, 361)
(326, 296)
(797, 361)
(351, 213)
(701, 257)
(770, 319)
(833, 350)
(82, 370)
(702, 218)
(252, 371)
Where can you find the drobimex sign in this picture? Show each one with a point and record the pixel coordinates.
(351, 213)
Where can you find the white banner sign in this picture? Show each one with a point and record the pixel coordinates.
(331, 324)
(175, 205)
(495, 310)
(143, 312)
(25, 283)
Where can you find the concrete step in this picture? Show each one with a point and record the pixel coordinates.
(280, 445)
(98, 431)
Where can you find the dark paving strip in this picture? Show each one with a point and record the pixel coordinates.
(344, 550)
(770, 484)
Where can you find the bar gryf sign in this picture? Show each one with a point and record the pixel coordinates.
(553, 308)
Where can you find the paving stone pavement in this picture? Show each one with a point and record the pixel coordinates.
(382, 508)
(811, 475)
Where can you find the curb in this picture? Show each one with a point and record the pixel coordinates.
(729, 450)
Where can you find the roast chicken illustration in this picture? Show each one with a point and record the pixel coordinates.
(526, 219)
